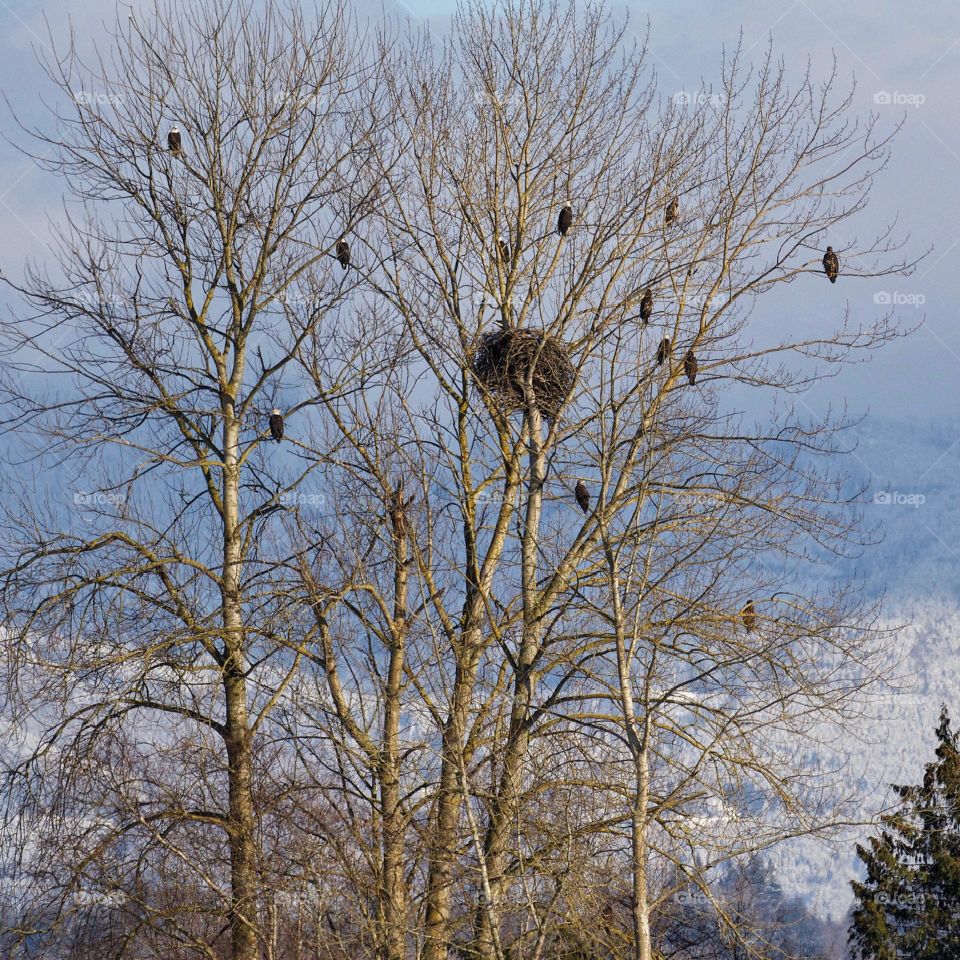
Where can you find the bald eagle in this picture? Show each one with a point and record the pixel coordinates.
(564, 220)
(831, 264)
(174, 143)
(673, 210)
(504, 249)
(646, 306)
(343, 253)
(276, 425)
(690, 367)
(663, 351)
(749, 616)
(583, 497)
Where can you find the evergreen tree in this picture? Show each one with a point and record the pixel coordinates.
(908, 905)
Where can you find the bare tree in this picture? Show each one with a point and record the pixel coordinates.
(529, 110)
(211, 178)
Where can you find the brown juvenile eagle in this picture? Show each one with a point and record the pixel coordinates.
(831, 265)
(583, 497)
(673, 210)
(690, 367)
(564, 220)
(663, 351)
(646, 306)
(504, 248)
(749, 616)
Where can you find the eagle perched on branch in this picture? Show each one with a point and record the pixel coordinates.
(646, 305)
(831, 265)
(276, 425)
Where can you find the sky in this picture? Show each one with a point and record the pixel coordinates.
(904, 58)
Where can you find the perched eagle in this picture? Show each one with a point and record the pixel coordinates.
(690, 367)
(276, 425)
(831, 264)
(343, 253)
(174, 143)
(564, 220)
(583, 498)
(504, 248)
(663, 351)
(398, 509)
(673, 210)
(646, 306)
(749, 616)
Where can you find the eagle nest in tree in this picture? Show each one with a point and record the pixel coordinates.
(504, 358)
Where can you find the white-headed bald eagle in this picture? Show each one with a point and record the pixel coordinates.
(276, 425)
(174, 143)
(343, 253)
(583, 496)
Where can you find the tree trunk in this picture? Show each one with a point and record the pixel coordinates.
(637, 743)
(392, 892)
(640, 894)
(445, 842)
(243, 904)
(242, 824)
(504, 806)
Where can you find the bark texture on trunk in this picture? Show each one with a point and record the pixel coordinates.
(392, 890)
(239, 742)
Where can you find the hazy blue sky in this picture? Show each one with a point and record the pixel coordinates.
(908, 52)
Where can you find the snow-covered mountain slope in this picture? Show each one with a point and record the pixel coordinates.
(910, 471)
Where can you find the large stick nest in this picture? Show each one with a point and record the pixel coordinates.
(502, 364)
